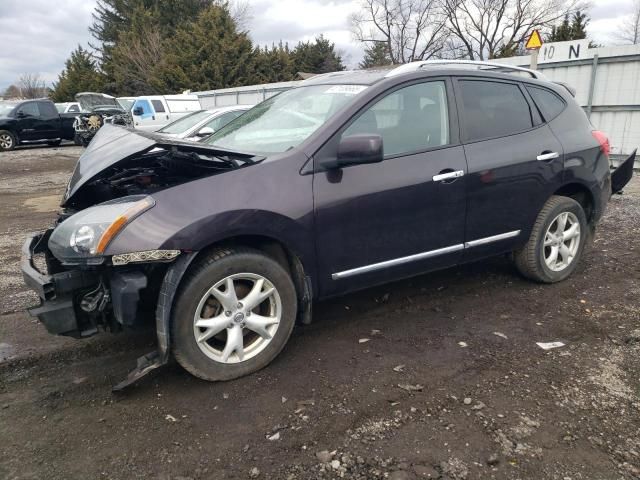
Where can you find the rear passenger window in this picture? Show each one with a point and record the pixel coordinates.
(410, 119)
(493, 109)
(157, 106)
(549, 104)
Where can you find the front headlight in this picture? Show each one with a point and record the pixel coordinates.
(86, 235)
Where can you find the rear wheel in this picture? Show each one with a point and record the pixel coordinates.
(54, 143)
(8, 140)
(556, 243)
(234, 314)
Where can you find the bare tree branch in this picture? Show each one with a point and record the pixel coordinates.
(630, 29)
(487, 27)
(411, 29)
(32, 86)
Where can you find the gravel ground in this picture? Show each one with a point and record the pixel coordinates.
(435, 377)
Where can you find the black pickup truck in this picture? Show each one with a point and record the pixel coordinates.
(33, 121)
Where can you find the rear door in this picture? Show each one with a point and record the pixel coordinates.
(515, 164)
(48, 124)
(378, 222)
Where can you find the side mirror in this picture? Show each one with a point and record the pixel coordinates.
(204, 132)
(21, 114)
(138, 111)
(358, 149)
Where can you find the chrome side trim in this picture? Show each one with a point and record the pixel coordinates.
(423, 255)
(396, 261)
(494, 238)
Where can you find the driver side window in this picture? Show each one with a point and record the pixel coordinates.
(29, 110)
(410, 119)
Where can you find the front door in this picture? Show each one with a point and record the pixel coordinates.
(27, 116)
(378, 222)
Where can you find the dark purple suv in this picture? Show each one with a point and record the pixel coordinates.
(350, 180)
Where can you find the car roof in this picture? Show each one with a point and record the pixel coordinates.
(423, 68)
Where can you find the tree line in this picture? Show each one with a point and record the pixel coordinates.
(159, 46)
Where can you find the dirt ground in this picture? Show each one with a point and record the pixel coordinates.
(435, 377)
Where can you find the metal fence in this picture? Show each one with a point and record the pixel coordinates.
(607, 83)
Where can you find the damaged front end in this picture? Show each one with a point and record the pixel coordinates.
(98, 109)
(85, 288)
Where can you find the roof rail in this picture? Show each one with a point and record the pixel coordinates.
(414, 66)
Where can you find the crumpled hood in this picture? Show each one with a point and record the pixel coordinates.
(115, 145)
(89, 101)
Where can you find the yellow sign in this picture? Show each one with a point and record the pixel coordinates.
(534, 42)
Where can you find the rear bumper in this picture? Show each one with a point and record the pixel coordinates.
(56, 290)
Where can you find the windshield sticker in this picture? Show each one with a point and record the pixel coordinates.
(346, 89)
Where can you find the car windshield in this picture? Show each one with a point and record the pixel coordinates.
(5, 108)
(185, 123)
(126, 103)
(285, 120)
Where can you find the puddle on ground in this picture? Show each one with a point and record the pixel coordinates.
(48, 203)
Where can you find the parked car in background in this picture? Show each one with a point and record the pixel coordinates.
(350, 180)
(153, 112)
(68, 107)
(33, 121)
(97, 109)
(198, 125)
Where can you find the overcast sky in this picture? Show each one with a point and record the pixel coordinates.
(37, 36)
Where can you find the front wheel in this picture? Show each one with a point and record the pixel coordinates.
(7, 140)
(54, 143)
(556, 243)
(233, 315)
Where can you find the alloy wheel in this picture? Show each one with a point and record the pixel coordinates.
(6, 141)
(561, 242)
(237, 317)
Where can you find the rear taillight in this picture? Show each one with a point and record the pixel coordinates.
(603, 140)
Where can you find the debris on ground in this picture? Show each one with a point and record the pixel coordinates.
(549, 345)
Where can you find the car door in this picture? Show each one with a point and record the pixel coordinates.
(143, 115)
(404, 215)
(48, 123)
(515, 164)
(27, 116)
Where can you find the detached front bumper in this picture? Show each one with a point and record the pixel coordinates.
(55, 288)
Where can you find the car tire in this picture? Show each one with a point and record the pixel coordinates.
(8, 141)
(54, 143)
(556, 243)
(215, 335)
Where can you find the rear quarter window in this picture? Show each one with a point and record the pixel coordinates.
(549, 103)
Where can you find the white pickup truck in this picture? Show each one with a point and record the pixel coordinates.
(155, 111)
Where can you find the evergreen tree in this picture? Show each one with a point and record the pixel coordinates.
(80, 74)
(206, 54)
(376, 54)
(571, 28)
(317, 57)
(117, 22)
(273, 64)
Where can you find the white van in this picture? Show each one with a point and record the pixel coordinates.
(155, 111)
